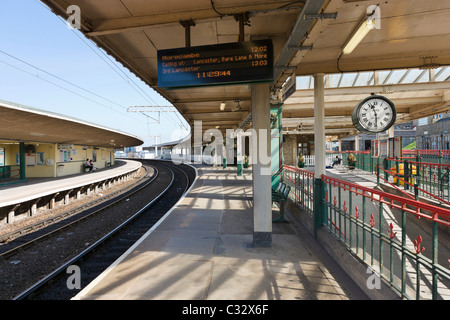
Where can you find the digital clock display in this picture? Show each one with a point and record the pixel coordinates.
(230, 63)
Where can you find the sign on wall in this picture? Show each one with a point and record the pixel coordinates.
(2, 157)
(229, 63)
(30, 159)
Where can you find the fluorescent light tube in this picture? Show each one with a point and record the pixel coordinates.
(356, 38)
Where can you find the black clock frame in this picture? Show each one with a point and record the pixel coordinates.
(355, 114)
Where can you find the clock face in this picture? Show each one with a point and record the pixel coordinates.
(374, 114)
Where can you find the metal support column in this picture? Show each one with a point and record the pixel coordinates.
(240, 147)
(22, 160)
(198, 142)
(319, 151)
(262, 191)
(319, 126)
(356, 148)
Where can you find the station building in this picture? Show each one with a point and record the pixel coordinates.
(40, 144)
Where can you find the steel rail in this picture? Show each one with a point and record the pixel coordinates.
(41, 283)
(33, 227)
(119, 198)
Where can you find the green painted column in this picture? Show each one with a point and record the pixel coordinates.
(319, 150)
(239, 168)
(22, 160)
(240, 151)
(319, 205)
(276, 143)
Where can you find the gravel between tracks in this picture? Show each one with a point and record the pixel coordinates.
(20, 271)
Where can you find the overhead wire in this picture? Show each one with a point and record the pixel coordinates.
(59, 78)
(61, 87)
(150, 99)
(119, 71)
(146, 97)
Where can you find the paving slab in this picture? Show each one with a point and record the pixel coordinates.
(202, 250)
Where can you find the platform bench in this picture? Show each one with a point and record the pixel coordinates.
(280, 195)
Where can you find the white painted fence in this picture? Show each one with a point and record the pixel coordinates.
(310, 161)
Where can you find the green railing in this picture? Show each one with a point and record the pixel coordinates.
(396, 235)
(9, 175)
(302, 187)
(424, 179)
(366, 162)
(425, 172)
(433, 156)
(364, 159)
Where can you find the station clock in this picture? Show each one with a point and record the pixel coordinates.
(374, 114)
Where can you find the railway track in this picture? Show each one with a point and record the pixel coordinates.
(92, 244)
(29, 235)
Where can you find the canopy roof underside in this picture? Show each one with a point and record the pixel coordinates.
(412, 34)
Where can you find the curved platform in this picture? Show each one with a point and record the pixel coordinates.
(37, 192)
(37, 187)
(202, 250)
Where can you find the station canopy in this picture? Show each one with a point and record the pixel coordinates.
(308, 38)
(417, 93)
(23, 123)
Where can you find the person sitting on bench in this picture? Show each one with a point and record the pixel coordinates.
(336, 161)
(89, 165)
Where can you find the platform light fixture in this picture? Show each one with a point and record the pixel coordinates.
(222, 106)
(357, 36)
(238, 105)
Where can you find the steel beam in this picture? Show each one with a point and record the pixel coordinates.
(298, 33)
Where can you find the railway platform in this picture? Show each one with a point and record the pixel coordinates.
(27, 197)
(38, 187)
(202, 250)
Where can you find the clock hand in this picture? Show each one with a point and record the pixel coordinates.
(375, 114)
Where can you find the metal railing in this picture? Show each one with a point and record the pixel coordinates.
(396, 235)
(425, 179)
(12, 172)
(364, 160)
(434, 156)
(302, 187)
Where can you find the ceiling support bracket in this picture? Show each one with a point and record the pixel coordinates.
(321, 16)
(243, 20)
(187, 24)
(301, 48)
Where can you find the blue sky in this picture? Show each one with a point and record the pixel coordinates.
(32, 36)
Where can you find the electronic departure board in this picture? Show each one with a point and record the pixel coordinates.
(229, 63)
